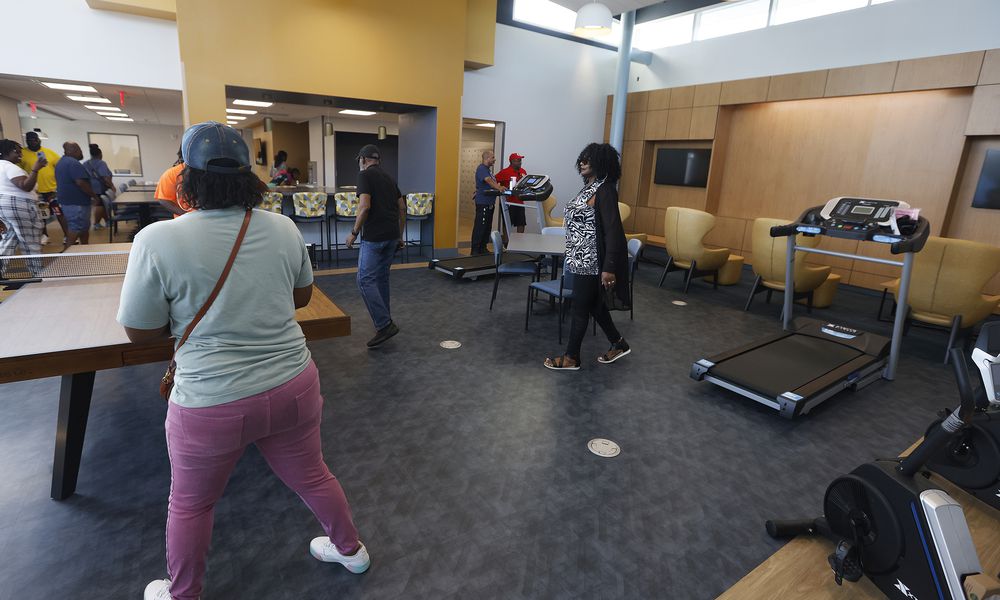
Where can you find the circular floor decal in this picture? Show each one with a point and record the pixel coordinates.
(603, 447)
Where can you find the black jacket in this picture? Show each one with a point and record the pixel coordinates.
(612, 251)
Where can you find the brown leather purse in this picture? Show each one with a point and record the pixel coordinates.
(167, 383)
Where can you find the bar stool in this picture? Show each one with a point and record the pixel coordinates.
(271, 202)
(345, 210)
(419, 208)
(310, 207)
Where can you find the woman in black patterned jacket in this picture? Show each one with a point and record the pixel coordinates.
(596, 255)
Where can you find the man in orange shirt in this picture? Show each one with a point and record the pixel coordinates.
(507, 178)
(166, 190)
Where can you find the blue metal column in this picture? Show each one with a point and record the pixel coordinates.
(621, 81)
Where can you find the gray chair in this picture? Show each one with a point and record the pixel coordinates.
(561, 288)
(511, 264)
(634, 250)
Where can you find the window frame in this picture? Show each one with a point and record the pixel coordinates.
(138, 145)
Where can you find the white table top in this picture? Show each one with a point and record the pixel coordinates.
(135, 197)
(536, 243)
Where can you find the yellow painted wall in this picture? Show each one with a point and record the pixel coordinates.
(409, 52)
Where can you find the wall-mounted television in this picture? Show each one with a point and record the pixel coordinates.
(988, 188)
(682, 166)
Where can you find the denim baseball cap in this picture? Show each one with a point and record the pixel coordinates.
(214, 147)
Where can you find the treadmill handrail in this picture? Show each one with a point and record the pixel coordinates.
(884, 261)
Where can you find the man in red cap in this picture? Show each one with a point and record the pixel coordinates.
(508, 178)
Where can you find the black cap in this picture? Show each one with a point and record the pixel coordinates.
(369, 151)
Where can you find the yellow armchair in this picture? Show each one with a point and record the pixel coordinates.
(548, 205)
(947, 284)
(684, 230)
(626, 211)
(769, 256)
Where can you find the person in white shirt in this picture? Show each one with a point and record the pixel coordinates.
(19, 219)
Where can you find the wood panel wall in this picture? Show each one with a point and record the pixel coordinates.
(905, 130)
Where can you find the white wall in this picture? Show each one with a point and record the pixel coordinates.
(896, 30)
(316, 149)
(66, 39)
(557, 109)
(157, 143)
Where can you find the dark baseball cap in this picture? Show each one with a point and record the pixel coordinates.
(214, 147)
(369, 151)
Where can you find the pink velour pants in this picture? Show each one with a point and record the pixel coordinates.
(204, 445)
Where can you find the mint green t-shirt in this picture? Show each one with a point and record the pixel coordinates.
(248, 342)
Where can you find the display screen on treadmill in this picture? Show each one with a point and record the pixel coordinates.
(862, 210)
(531, 180)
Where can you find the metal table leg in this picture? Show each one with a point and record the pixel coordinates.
(74, 407)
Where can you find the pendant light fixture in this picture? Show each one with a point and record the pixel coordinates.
(268, 123)
(382, 132)
(327, 128)
(593, 20)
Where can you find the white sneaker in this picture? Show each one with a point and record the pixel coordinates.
(158, 589)
(323, 549)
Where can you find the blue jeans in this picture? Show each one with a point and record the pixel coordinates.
(373, 279)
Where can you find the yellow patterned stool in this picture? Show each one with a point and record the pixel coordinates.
(310, 207)
(271, 202)
(345, 206)
(419, 207)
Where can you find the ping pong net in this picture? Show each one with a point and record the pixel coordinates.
(29, 268)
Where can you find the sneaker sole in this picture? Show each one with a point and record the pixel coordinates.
(548, 366)
(601, 360)
(352, 568)
(385, 340)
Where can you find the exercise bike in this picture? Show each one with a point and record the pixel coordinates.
(971, 459)
(891, 524)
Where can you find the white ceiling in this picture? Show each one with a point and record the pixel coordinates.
(145, 105)
(297, 113)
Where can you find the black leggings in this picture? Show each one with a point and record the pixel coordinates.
(587, 302)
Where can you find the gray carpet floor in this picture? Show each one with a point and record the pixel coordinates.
(467, 469)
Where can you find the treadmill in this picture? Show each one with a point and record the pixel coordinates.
(531, 188)
(812, 360)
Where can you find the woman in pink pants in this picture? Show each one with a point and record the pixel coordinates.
(244, 375)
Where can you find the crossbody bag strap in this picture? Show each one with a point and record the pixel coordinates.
(218, 285)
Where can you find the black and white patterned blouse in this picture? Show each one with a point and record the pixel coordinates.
(581, 233)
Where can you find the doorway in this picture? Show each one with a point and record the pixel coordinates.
(478, 135)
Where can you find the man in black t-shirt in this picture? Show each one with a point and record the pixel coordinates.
(380, 221)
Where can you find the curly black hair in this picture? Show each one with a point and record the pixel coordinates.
(604, 161)
(8, 146)
(210, 191)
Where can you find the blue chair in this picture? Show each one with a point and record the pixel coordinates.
(510, 264)
(561, 288)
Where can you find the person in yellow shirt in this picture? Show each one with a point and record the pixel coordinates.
(46, 187)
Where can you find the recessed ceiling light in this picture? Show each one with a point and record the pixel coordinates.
(360, 113)
(252, 103)
(99, 107)
(240, 111)
(69, 87)
(119, 119)
(235, 117)
(112, 114)
(93, 99)
(486, 125)
(232, 122)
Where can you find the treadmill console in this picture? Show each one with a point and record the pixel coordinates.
(863, 219)
(534, 188)
(528, 183)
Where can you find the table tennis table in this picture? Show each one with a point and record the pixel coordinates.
(63, 325)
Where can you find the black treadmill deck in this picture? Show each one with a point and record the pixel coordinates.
(785, 364)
